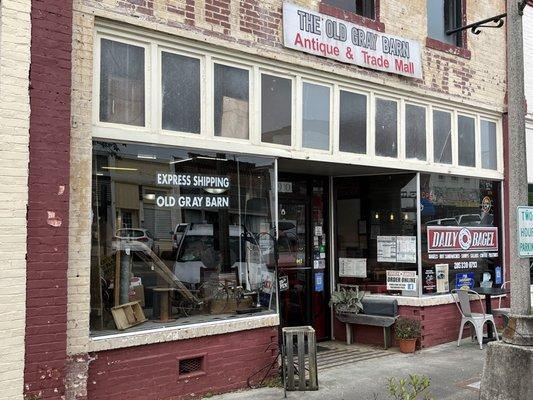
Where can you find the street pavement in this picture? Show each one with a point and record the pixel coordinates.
(454, 372)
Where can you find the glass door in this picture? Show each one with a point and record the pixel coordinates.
(293, 263)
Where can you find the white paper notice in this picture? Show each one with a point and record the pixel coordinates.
(352, 267)
(406, 249)
(386, 248)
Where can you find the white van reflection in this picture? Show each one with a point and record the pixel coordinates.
(196, 254)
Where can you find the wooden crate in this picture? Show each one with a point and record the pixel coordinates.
(127, 315)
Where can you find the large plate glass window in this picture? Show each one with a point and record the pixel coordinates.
(180, 88)
(316, 116)
(231, 102)
(352, 124)
(442, 137)
(185, 235)
(121, 83)
(461, 235)
(466, 135)
(276, 109)
(386, 128)
(415, 132)
(488, 145)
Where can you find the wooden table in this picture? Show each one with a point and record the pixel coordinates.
(488, 293)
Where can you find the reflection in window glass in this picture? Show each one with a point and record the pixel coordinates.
(315, 116)
(181, 92)
(386, 128)
(442, 137)
(451, 205)
(466, 131)
(276, 109)
(415, 132)
(488, 145)
(192, 225)
(121, 83)
(231, 102)
(368, 209)
(352, 129)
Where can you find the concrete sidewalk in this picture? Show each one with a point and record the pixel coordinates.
(451, 369)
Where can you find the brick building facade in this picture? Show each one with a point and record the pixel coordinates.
(67, 354)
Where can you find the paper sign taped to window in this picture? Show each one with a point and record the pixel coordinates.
(401, 280)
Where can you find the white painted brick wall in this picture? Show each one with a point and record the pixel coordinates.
(15, 35)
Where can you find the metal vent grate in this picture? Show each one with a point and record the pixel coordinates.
(190, 365)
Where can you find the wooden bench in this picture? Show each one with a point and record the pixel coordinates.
(376, 312)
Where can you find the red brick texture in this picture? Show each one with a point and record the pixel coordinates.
(151, 371)
(47, 255)
(440, 324)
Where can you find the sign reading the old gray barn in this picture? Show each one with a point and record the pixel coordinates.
(326, 36)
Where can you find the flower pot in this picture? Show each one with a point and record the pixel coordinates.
(407, 345)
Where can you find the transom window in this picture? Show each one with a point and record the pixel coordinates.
(201, 97)
(365, 8)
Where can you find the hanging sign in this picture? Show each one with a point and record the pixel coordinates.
(525, 232)
(319, 34)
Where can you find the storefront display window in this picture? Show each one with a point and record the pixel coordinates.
(231, 102)
(352, 129)
(276, 109)
(121, 83)
(442, 137)
(386, 128)
(461, 235)
(376, 233)
(415, 132)
(316, 116)
(185, 235)
(180, 87)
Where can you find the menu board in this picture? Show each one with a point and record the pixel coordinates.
(352, 267)
(386, 248)
(406, 249)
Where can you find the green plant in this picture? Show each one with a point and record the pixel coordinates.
(414, 388)
(347, 300)
(407, 328)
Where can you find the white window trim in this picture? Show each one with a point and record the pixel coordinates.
(331, 88)
(337, 125)
(152, 132)
(404, 130)
(397, 100)
(453, 136)
(477, 144)
(148, 47)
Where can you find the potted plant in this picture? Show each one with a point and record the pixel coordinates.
(347, 300)
(407, 332)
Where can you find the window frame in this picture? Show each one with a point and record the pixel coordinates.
(350, 16)
(331, 126)
(159, 87)
(338, 121)
(251, 94)
(427, 111)
(148, 53)
(499, 142)
(399, 136)
(453, 136)
(292, 79)
(476, 143)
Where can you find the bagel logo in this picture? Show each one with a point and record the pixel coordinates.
(465, 239)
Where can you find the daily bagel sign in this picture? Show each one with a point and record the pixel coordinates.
(311, 32)
(457, 239)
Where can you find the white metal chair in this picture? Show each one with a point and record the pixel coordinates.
(477, 320)
(504, 312)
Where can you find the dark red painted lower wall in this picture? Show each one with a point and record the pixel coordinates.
(151, 371)
(48, 202)
(440, 324)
